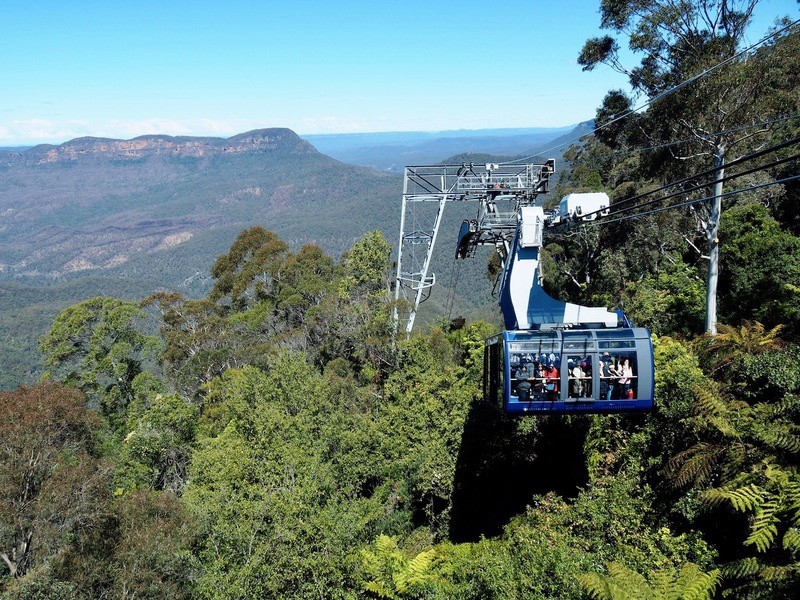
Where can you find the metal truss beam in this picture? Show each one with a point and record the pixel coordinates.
(500, 191)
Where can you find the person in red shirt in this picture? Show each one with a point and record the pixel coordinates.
(550, 374)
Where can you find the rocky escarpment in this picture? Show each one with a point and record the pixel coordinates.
(274, 140)
(157, 205)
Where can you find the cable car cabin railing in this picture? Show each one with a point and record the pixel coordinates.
(559, 371)
(504, 220)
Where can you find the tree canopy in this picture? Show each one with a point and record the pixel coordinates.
(275, 439)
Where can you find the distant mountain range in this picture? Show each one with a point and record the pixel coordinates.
(114, 205)
(128, 217)
(394, 151)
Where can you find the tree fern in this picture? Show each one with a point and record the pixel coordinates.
(694, 465)
(708, 403)
(622, 583)
(746, 498)
(781, 436)
(694, 584)
(778, 572)
(380, 590)
(751, 338)
(777, 501)
(599, 586)
(792, 494)
(764, 529)
(745, 567)
(379, 564)
(416, 572)
(791, 539)
(789, 404)
(389, 573)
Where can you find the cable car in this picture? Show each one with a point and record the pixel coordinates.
(570, 371)
(553, 356)
(559, 357)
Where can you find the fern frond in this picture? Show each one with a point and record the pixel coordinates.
(764, 529)
(626, 578)
(751, 338)
(695, 464)
(621, 583)
(708, 403)
(417, 572)
(789, 404)
(745, 567)
(386, 544)
(713, 497)
(694, 584)
(773, 573)
(598, 586)
(780, 436)
(772, 338)
(662, 584)
(379, 590)
(791, 539)
(743, 499)
(791, 491)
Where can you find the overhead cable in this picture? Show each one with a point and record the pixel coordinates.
(705, 185)
(663, 94)
(696, 201)
(712, 171)
(712, 134)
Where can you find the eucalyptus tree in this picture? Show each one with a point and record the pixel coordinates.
(100, 346)
(702, 89)
(48, 452)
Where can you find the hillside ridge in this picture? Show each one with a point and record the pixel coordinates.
(277, 139)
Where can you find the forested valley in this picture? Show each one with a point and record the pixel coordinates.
(276, 439)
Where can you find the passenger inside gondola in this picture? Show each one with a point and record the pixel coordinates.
(624, 387)
(580, 376)
(524, 382)
(550, 379)
(534, 377)
(606, 375)
(620, 375)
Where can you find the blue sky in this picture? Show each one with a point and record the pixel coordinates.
(127, 68)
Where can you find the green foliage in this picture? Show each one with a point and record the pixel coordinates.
(366, 264)
(776, 502)
(158, 446)
(669, 302)
(273, 517)
(541, 555)
(673, 38)
(746, 448)
(249, 269)
(762, 260)
(621, 583)
(199, 341)
(389, 573)
(313, 457)
(98, 346)
(427, 399)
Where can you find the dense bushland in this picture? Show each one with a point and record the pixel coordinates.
(274, 440)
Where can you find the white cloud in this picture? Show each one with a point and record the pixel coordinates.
(39, 131)
(43, 131)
